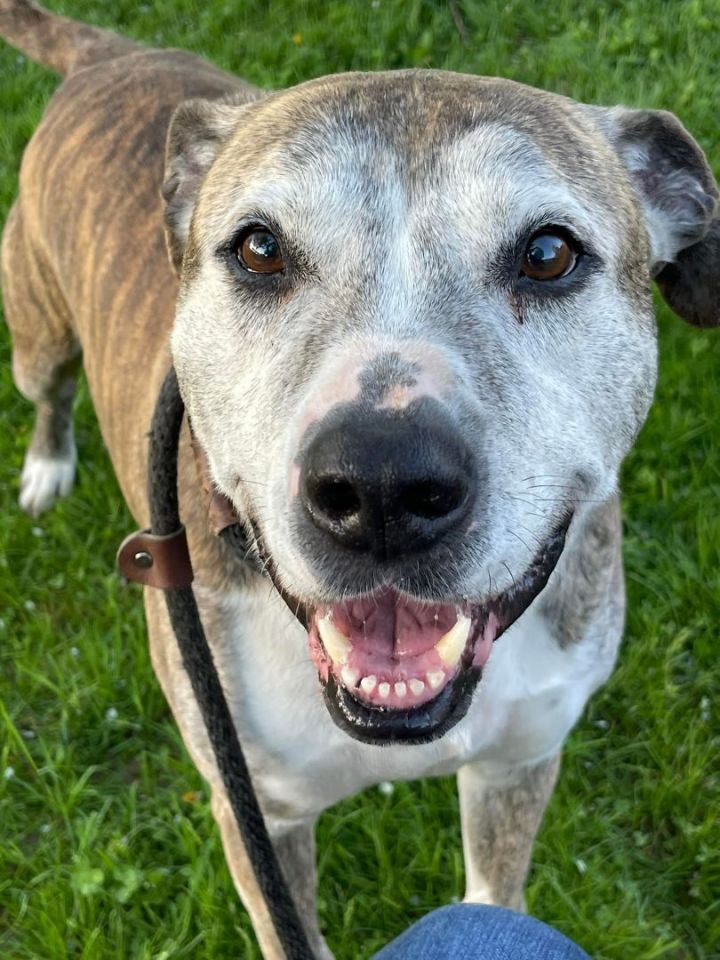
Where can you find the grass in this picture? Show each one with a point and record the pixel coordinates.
(107, 846)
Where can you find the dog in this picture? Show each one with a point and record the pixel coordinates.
(411, 318)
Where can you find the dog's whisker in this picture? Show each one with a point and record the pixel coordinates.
(528, 503)
(513, 534)
(545, 476)
(533, 535)
(556, 486)
(240, 480)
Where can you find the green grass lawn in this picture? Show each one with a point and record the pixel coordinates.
(107, 845)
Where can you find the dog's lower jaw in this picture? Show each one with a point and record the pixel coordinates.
(380, 726)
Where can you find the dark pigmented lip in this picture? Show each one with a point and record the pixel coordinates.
(380, 725)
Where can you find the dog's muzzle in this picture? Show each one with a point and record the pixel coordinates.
(381, 491)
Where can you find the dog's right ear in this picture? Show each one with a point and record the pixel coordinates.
(197, 132)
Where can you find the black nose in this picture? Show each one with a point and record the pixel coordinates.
(388, 482)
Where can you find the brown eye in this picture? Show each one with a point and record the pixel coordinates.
(259, 252)
(548, 256)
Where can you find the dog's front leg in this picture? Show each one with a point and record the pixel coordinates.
(295, 848)
(501, 811)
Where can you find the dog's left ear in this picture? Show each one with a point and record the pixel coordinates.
(197, 132)
(679, 196)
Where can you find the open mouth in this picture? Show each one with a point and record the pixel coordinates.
(396, 669)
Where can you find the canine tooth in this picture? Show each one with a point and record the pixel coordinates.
(416, 686)
(384, 690)
(336, 644)
(349, 676)
(451, 645)
(435, 678)
(368, 684)
(400, 688)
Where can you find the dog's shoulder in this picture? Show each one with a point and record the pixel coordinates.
(589, 578)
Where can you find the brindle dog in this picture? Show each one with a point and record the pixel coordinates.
(411, 319)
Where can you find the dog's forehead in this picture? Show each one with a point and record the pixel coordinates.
(421, 130)
(419, 110)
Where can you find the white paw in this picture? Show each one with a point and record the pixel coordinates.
(43, 479)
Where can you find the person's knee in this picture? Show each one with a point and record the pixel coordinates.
(479, 932)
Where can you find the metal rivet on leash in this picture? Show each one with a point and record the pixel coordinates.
(172, 572)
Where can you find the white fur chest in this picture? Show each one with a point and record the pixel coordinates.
(530, 696)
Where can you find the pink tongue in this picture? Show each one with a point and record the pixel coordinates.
(385, 626)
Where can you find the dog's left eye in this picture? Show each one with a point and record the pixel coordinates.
(259, 251)
(548, 256)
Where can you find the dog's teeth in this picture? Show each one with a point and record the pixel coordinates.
(350, 676)
(416, 686)
(400, 688)
(336, 644)
(368, 684)
(451, 645)
(384, 690)
(435, 678)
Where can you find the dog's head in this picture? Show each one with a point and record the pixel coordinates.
(415, 338)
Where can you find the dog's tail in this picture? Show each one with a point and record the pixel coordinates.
(57, 42)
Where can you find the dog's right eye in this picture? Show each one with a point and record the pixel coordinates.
(259, 251)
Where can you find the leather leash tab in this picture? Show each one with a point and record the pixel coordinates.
(156, 561)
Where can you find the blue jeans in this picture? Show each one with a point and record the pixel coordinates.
(469, 931)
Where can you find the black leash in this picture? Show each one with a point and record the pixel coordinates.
(198, 661)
